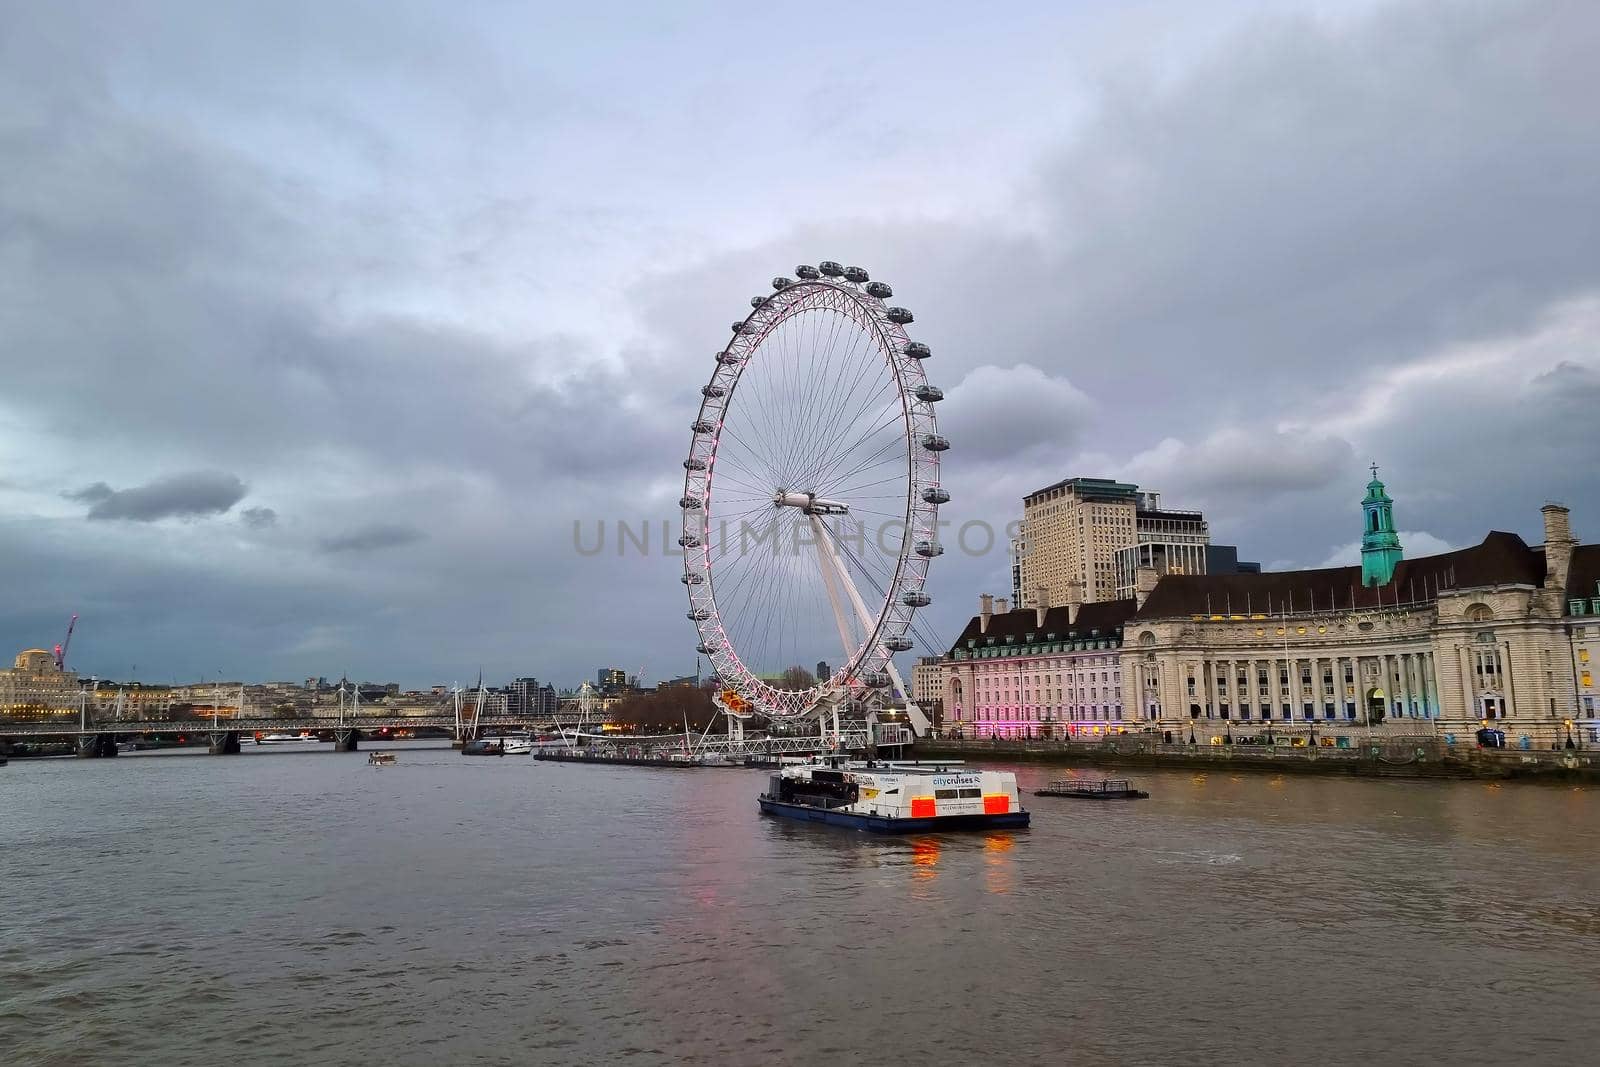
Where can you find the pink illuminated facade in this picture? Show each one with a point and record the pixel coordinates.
(1037, 672)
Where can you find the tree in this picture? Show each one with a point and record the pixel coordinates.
(664, 710)
(796, 678)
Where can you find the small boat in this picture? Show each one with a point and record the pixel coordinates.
(498, 746)
(895, 798)
(1106, 789)
(381, 759)
(286, 739)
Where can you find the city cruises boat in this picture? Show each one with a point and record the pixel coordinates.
(1109, 789)
(894, 798)
(513, 745)
(381, 759)
(287, 739)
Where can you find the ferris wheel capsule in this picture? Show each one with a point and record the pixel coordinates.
(856, 274)
(757, 300)
(726, 358)
(690, 503)
(713, 391)
(916, 599)
(880, 290)
(918, 350)
(694, 463)
(781, 283)
(898, 644)
(810, 274)
(702, 426)
(900, 315)
(830, 268)
(934, 442)
(934, 494)
(929, 394)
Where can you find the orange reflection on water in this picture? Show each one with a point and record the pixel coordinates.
(1001, 868)
(925, 858)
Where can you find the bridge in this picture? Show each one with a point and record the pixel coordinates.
(97, 738)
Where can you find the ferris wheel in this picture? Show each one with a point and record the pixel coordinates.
(811, 495)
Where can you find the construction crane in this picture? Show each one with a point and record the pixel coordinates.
(61, 649)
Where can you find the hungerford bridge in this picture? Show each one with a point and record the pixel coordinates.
(97, 732)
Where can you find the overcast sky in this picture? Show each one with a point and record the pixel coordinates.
(321, 324)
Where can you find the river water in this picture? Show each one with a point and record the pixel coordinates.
(303, 907)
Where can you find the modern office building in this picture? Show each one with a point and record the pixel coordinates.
(1084, 540)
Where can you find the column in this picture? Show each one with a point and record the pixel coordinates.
(1216, 689)
(1406, 663)
(1469, 693)
(1389, 664)
(1296, 698)
(1510, 690)
(1349, 692)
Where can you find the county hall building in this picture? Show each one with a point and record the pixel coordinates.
(1501, 633)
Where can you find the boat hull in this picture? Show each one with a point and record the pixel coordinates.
(879, 824)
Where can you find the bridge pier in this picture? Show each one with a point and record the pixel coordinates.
(225, 743)
(97, 746)
(346, 740)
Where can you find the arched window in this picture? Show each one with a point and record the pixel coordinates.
(1479, 613)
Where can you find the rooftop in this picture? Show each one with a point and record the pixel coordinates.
(1501, 559)
(1103, 488)
(1095, 622)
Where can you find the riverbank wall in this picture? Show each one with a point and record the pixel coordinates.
(1423, 759)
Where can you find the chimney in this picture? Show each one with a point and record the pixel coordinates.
(1041, 605)
(1074, 600)
(1002, 605)
(1558, 546)
(1144, 583)
(985, 611)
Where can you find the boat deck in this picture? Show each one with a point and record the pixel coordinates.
(1108, 789)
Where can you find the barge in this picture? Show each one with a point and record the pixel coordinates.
(895, 798)
(1109, 789)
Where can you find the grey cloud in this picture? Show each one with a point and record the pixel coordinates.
(90, 494)
(259, 518)
(179, 496)
(371, 538)
(1211, 257)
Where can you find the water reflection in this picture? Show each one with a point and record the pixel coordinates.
(999, 866)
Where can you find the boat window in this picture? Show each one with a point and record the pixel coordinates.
(944, 794)
(972, 792)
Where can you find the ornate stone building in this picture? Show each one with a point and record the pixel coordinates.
(1436, 646)
(36, 690)
(1501, 634)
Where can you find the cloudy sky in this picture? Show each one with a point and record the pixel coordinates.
(322, 324)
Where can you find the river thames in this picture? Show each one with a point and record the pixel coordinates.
(286, 907)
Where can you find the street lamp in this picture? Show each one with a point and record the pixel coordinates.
(1568, 724)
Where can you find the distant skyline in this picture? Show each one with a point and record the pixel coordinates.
(322, 324)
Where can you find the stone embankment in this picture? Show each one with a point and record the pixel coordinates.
(1421, 759)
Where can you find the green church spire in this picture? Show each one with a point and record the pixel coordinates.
(1380, 544)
